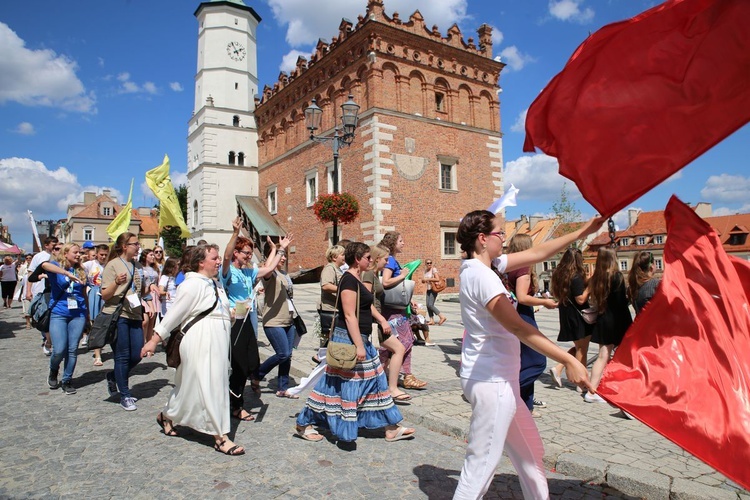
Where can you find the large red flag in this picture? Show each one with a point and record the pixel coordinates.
(683, 368)
(640, 99)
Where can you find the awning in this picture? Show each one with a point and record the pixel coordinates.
(257, 217)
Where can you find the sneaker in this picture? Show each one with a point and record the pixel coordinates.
(539, 404)
(45, 350)
(85, 341)
(128, 404)
(111, 384)
(68, 388)
(593, 398)
(52, 380)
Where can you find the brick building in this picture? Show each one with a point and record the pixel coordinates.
(428, 148)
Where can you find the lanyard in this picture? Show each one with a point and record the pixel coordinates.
(132, 274)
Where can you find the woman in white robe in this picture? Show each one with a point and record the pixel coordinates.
(198, 400)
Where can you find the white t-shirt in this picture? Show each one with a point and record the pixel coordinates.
(94, 272)
(37, 261)
(490, 353)
(168, 283)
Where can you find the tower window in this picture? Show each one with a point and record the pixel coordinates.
(236, 119)
(236, 85)
(439, 101)
(240, 159)
(231, 157)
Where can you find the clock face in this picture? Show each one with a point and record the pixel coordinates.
(236, 51)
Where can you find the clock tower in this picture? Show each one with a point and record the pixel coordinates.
(222, 135)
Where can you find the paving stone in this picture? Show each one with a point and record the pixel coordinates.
(638, 483)
(683, 489)
(581, 466)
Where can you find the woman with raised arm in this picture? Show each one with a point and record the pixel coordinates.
(490, 357)
(238, 277)
(197, 400)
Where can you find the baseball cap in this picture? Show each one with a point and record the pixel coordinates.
(88, 244)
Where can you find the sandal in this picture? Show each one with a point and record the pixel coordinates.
(412, 382)
(308, 433)
(233, 451)
(98, 362)
(163, 422)
(402, 433)
(285, 394)
(255, 386)
(238, 415)
(402, 399)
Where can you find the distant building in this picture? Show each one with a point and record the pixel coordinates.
(4, 234)
(647, 231)
(88, 220)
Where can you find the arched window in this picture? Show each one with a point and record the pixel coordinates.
(236, 121)
(240, 159)
(231, 157)
(195, 214)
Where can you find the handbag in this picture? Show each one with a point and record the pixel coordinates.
(589, 315)
(341, 354)
(399, 296)
(176, 336)
(439, 285)
(104, 329)
(40, 311)
(299, 324)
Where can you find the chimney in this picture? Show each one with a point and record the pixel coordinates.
(88, 198)
(703, 210)
(534, 220)
(633, 216)
(520, 222)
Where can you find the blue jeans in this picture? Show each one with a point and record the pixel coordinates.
(533, 363)
(282, 341)
(65, 334)
(127, 350)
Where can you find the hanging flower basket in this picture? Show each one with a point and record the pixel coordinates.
(339, 207)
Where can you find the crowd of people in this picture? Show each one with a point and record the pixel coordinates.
(206, 303)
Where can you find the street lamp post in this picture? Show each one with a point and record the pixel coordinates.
(341, 137)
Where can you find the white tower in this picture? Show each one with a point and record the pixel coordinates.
(222, 137)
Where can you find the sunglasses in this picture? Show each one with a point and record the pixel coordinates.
(57, 249)
(158, 251)
(428, 263)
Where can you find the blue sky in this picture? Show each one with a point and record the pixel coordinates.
(94, 93)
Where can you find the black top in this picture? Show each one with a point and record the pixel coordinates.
(611, 325)
(350, 282)
(572, 326)
(645, 292)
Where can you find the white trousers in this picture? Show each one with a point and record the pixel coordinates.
(500, 421)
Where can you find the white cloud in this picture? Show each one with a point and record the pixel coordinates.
(25, 128)
(622, 218)
(497, 36)
(514, 58)
(40, 77)
(100, 60)
(520, 123)
(130, 87)
(726, 188)
(30, 185)
(536, 177)
(289, 61)
(731, 211)
(306, 21)
(570, 10)
(176, 86)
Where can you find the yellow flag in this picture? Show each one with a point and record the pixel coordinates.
(121, 223)
(169, 210)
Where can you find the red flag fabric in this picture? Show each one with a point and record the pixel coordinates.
(683, 367)
(640, 99)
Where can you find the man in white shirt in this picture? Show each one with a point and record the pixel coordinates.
(32, 289)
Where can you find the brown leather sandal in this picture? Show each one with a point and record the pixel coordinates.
(412, 382)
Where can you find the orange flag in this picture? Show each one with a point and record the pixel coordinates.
(683, 368)
(640, 99)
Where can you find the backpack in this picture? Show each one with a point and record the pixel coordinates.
(38, 310)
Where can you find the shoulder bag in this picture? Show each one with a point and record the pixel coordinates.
(299, 324)
(176, 336)
(589, 315)
(399, 296)
(341, 354)
(104, 329)
(439, 285)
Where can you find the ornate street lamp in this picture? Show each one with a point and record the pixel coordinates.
(343, 136)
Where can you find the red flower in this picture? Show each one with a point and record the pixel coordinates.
(340, 207)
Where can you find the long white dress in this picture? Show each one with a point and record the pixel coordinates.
(200, 398)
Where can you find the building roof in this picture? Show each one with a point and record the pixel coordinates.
(728, 225)
(541, 231)
(149, 224)
(92, 211)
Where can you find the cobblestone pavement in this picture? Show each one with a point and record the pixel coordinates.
(83, 445)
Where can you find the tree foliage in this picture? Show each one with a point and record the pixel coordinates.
(173, 243)
(564, 209)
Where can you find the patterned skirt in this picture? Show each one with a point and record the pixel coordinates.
(346, 400)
